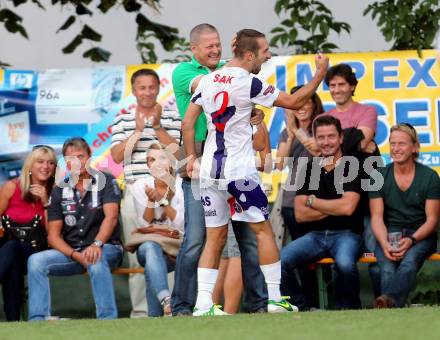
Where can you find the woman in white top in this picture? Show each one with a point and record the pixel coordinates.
(158, 201)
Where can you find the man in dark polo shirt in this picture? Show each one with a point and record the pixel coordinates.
(328, 206)
(83, 233)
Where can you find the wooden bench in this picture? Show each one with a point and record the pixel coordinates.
(127, 271)
(322, 287)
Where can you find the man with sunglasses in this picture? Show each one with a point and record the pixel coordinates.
(83, 232)
(408, 203)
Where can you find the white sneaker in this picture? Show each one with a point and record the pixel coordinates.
(215, 310)
(281, 306)
(55, 318)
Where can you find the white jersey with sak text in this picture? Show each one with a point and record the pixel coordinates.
(228, 96)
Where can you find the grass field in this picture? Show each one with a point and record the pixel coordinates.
(401, 324)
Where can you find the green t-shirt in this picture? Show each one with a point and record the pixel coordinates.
(406, 209)
(183, 76)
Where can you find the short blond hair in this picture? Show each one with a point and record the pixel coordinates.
(411, 132)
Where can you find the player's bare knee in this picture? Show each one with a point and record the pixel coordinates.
(216, 237)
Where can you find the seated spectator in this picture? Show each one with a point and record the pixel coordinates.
(83, 233)
(159, 207)
(408, 203)
(21, 199)
(328, 207)
(290, 148)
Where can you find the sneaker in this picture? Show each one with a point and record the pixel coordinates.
(281, 306)
(259, 310)
(166, 306)
(183, 313)
(215, 310)
(383, 301)
(55, 318)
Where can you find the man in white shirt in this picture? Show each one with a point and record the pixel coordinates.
(134, 129)
(230, 185)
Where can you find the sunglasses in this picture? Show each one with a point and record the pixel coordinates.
(40, 146)
(73, 140)
(408, 125)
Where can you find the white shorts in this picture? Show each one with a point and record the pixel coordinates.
(239, 200)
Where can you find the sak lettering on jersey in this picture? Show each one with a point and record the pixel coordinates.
(218, 78)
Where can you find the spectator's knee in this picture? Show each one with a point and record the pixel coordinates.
(37, 263)
(99, 267)
(194, 239)
(346, 266)
(285, 262)
(149, 250)
(290, 258)
(409, 265)
(12, 248)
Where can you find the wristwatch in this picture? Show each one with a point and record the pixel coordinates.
(164, 203)
(413, 239)
(309, 201)
(98, 243)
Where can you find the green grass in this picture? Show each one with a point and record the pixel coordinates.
(401, 324)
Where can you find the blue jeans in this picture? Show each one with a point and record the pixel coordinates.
(398, 278)
(185, 285)
(306, 276)
(53, 262)
(370, 245)
(344, 246)
(288, 214)
(156, 268)
(185, 276)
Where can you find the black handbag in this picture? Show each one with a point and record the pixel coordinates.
(32, 232)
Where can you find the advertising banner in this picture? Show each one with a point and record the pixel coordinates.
(51, 106)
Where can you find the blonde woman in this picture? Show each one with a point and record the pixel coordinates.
(159, 203)
(21, 199)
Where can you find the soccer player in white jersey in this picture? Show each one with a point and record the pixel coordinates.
(230, 185)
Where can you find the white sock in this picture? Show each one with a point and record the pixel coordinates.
(272, 276)
(206, 279)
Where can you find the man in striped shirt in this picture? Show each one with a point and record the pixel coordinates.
(134, 130)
